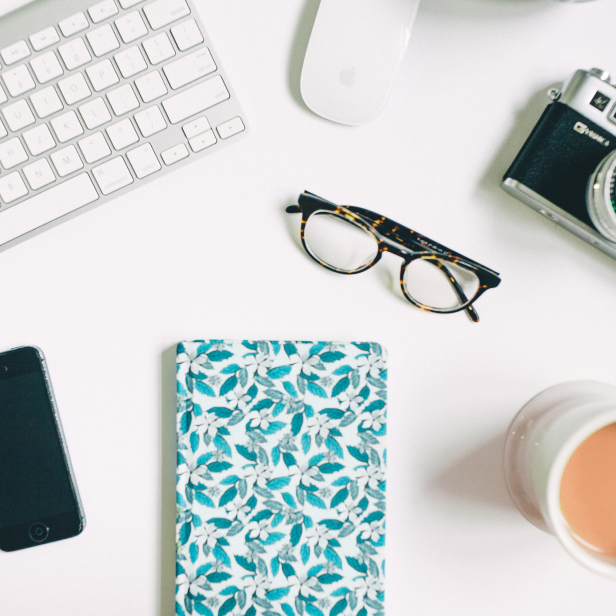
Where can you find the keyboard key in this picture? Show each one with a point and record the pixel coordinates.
(46, 67)
(44, 38)
(101, 11)
(130, 62)
(150, 121)
(3, 96)
(46, 206)
(102, 75)
(46, 102)
(74, 88)
(127, 4)
(123, 100)
(122, 134)
(66, 161)
(18, 115)
(190, 68)
(102, 40)
(174, 154)
(3, 131)
(94, 148)
(95, 113)
(205, 140)
(196, 127)
(151, 86)
(73, 24)
(112, 176)
(198, 98)
(18, 80)
(187, 35)
(39, 140)
(164, 12)
(14, 53)
(131, 27)
(74, 54)
(39, 174)
(67, 126)
(159, 48)
(12, 153)
(12, 187)
(143, 161)
(230, 128)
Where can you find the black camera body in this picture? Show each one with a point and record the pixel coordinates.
(569, 143)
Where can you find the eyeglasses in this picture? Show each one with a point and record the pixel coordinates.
(350, 240)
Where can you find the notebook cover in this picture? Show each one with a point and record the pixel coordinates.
(281, 478)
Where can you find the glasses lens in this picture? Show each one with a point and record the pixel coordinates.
(339, 243)
(440, 284)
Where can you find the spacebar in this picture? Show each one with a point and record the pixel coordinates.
(45, 207)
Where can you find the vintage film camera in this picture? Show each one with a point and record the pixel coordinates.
(566, 170)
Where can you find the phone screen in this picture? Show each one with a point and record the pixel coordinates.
(35, 477)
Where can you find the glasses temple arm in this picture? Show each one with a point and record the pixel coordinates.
(472, 313)
(435, 247)
(404, 234)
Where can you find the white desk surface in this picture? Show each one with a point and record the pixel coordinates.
(209, 252)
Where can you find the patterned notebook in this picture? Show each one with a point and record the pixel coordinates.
(281, 478)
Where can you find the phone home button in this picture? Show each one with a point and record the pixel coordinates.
(39, 532)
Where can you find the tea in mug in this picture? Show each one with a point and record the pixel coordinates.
(588, 492)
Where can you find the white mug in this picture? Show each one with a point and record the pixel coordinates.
(541, 439)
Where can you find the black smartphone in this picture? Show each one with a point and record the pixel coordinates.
(39, 501)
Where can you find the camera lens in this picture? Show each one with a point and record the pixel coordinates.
(601, 197)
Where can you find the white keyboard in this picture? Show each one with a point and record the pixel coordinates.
(97, 98)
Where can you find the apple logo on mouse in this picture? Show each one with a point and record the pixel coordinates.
(353, 56)
(347, 77)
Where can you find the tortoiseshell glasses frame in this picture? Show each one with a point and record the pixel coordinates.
(397, 239)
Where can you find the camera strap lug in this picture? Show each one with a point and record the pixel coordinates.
(554, 94)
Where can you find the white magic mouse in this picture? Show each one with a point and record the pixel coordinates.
(353, 56)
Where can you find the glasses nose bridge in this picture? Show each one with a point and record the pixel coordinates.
(396, 249)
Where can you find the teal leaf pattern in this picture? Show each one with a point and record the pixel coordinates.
(281, 478)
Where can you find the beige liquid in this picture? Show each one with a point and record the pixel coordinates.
(588, 492)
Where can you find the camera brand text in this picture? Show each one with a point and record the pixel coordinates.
(581, 128)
